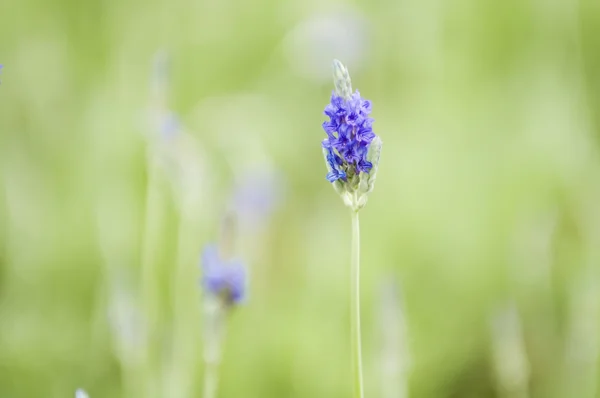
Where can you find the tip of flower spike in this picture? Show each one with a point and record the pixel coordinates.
(338, 65)
(229, 225)
(341, 80)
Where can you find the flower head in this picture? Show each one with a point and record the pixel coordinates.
(223, 278)
(351, 146)
(256, 195)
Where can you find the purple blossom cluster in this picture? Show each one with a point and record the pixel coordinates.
(349, 135)
(223, 278)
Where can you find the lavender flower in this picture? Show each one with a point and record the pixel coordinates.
(256, 195)
(223, 278)
(351, 152)
(351, 148)
(224, 281)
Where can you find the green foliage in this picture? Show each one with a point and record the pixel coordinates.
(488, 192)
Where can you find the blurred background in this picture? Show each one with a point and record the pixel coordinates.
(129, 128)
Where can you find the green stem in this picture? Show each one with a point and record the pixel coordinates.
(355, 308)
(214, 335)
(150, 281)
(211, 380)
(184, 293)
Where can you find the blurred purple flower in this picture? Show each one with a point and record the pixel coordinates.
(256, 195)
(223, 278)
(169, 125)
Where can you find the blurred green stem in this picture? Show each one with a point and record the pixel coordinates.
(150, 296)
(355, 307)
(214, 335)
(184, 292)
(211, 380)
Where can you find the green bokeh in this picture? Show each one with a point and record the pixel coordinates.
(488, 193)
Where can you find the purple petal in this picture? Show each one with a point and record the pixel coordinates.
(364, 166)
(366, 107)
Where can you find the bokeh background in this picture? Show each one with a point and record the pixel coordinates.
(129, 128)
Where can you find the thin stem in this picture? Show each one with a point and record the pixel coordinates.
(214, 335)
(211, 380)
(183, 359)
(150, 282)
(355, 308)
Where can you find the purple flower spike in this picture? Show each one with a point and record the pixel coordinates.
(351, 148)
(349, 134)
(349, 130)
(223, 278)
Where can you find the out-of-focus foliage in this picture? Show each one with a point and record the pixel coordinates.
(488, 196)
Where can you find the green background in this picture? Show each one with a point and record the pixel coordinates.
(487, 196)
